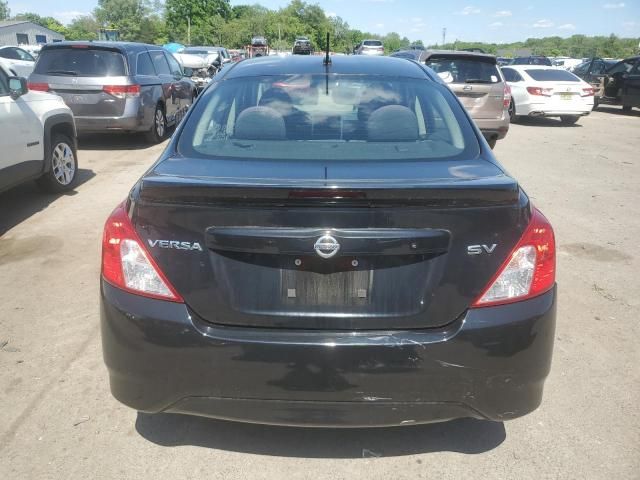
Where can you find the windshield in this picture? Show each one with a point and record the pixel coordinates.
(464, 70)
(328, 117)
(552, 75)
(83, 62)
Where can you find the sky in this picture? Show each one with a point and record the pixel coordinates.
(498, 21)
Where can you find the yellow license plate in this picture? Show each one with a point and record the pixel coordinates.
(566, 96)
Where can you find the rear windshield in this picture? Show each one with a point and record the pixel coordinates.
(372, 43)
(543, 75)
(464, 70)
(328, 117)
(81, 62)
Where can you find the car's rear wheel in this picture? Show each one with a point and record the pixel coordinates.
(492, 142)
(513, 118)
(159, 127)
(62, 165)
(569, 119)
(626, 108)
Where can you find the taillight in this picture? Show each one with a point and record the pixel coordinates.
(122, 91)
(126, 263)
(506, 99)
(545, 92)
(530, 269)
(38, 87)
(588, 92)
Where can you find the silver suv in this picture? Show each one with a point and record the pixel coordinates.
(370, 47)
(477, 81)
(116, 87)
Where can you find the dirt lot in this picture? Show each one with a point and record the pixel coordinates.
(58, 419)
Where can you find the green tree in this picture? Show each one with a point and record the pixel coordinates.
(83, 28)
(206, 19)
(124, 15)
(5, 12)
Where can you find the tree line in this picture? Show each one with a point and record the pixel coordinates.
(206, 22)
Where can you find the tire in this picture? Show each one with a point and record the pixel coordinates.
(492, 142)
(159, 128)
(626, 108)
(62, 165)
(513, 118)
(569, 119)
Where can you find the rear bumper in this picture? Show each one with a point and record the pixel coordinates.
(554, 110)
(107, 124)
(493, 128)
(489, 364)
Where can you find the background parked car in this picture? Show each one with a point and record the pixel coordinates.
(532, 60)
(620, 84)
(38, 139)
(476, 79)
(302, 46)
(540, 91)
(370, 47)
(20, 61)
(117, 87)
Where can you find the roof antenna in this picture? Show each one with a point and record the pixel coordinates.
(327, 59)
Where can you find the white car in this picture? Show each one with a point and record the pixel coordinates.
(38, 140)
(539, 91)
(20, 61)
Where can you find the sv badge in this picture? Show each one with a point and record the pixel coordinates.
(480, 249)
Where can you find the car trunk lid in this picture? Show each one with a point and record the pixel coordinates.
(239, 239)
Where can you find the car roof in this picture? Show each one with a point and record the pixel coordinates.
(123, 46)
(340, 64)
(532, 67)
(457, 53)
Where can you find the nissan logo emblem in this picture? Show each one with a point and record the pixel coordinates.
(326, 246)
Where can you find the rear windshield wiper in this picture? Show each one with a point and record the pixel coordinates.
(476, 80)
(63, 72)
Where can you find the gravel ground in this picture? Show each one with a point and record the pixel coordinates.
(58, 419)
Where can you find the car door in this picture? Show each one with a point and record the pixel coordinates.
(616, 78)
(20, 137)
(171, 101)
(181, 86)
(517, 85)
(631, 86)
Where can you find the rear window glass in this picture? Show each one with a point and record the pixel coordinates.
(82, 62)
(463, 70)
(328, 117)
(552, 75)
(372, 43)
(532, 61)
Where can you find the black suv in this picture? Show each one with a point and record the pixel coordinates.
(116, 86)
(328, 245)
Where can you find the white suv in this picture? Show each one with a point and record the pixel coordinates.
(38, 139)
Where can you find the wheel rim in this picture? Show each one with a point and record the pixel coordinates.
(159, 123)
(63, 164)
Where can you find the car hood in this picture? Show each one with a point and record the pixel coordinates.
(191, 61)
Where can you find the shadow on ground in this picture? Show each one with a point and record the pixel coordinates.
(616, 110)
(23, 201)
(545, 122)
(114, 141)
(464, 436)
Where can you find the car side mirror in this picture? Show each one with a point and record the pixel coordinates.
(187, 71)
(17, 86)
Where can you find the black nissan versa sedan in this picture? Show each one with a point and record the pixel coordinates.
(328, 245)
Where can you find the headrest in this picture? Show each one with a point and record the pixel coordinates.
(393, 123)
(260, 123)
